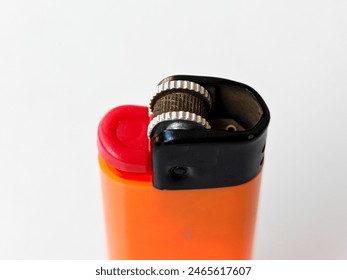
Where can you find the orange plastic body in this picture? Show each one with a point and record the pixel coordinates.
(145, 223)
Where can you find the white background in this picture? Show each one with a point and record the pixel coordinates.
(64, 64)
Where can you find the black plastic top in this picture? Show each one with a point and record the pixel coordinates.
(210, 158)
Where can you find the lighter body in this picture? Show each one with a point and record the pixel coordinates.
(148, 222)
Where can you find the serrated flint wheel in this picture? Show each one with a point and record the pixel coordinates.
(179, 101)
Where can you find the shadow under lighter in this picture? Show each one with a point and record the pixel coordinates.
(183, 181)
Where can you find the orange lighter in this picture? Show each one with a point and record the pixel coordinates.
(181, 178)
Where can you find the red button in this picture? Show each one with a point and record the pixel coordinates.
(123, 141)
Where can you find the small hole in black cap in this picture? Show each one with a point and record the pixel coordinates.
(178, 172)
(262, 161)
